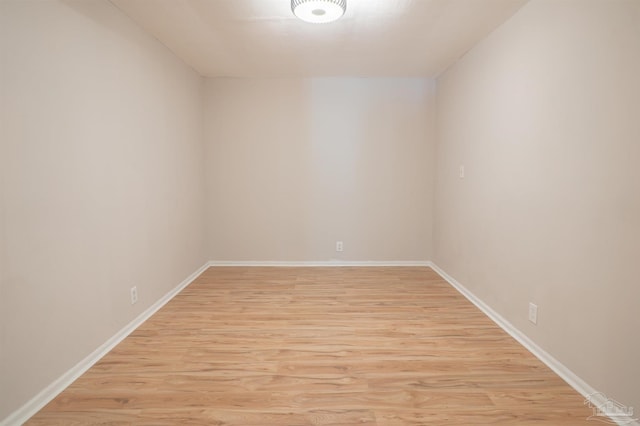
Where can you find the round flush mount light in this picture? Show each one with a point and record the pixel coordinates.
(319, 11)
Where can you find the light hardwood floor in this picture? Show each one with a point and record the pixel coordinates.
(318, 346)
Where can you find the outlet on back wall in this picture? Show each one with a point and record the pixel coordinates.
(134, 295)
(339, 246)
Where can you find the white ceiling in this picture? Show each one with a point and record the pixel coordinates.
(375, 38)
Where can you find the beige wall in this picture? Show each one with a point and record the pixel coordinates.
(295, 165)
(102, 183)
(544, 115)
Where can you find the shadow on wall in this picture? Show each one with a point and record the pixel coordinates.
(324, 160)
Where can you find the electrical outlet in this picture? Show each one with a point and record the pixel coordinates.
(461, 172)
(533, 313)
(134, 295)
(339, 246)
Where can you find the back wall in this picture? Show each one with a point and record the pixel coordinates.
(295, 165)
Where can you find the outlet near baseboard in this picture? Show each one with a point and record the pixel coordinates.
(134, 295)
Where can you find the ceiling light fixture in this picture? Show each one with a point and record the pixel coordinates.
(319, 11)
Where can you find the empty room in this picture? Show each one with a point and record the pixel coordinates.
(319, 212)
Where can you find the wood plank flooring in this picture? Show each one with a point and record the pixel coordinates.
(318, 346)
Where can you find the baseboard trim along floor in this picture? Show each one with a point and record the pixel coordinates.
(50, 392)
(597, 398)
(322, 263)
(36, 403)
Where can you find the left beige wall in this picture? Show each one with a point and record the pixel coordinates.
(102, 183)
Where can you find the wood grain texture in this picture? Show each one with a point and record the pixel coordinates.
(318, 346)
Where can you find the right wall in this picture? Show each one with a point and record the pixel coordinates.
(544, 116)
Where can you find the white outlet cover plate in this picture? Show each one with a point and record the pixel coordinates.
(533, 313)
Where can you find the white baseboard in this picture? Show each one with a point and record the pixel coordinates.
(46, 395)
(36, 403)
(320, 263)
(597, 398)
